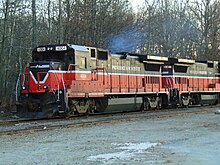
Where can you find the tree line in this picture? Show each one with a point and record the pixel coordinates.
(187, 28)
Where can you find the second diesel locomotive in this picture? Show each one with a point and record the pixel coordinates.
(72, 79)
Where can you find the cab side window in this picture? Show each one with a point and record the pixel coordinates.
(93, 53)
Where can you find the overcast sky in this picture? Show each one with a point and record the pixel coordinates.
(137, 2)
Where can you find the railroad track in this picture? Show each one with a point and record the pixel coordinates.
(29, 126)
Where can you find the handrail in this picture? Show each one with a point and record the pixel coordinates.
(58, 96)
(64, 88)
(103, 69)
(70, 67)
(17, 84)
(23, 79)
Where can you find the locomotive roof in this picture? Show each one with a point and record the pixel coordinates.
(173, 60)
(130, 54)
(146, 58)
(79, 47)
(42, 48)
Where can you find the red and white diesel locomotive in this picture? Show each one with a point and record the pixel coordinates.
(71, 79)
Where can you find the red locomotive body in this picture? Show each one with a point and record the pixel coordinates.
(72, 79)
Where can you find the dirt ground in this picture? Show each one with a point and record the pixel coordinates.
(179, 140)
(6, 113)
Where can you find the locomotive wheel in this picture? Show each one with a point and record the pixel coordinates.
(146, 104)
(185, 101)
(79, 107)
(69, 112)
(159, 104)
(82, 107)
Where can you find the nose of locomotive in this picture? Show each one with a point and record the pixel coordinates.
(35, 78)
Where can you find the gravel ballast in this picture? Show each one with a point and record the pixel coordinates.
(189, 139)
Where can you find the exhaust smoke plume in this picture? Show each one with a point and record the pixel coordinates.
(127, 41)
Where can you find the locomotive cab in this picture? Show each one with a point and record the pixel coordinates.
(63, 55)
(42, 86)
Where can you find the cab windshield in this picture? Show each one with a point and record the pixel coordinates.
(59, 60)
(49, 56)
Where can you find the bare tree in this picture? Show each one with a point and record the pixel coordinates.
(5, 22)
(60, 28)
(163, 27)
(205, 12)
(34, 24)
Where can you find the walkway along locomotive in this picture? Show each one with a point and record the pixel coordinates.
(72, 79)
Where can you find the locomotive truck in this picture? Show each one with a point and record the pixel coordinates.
(68, 79)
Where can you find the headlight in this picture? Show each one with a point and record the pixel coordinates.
(45, 87)
(23, 87)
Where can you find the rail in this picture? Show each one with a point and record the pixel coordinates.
(11, 127)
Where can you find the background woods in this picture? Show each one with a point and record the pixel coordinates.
(187, 28)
